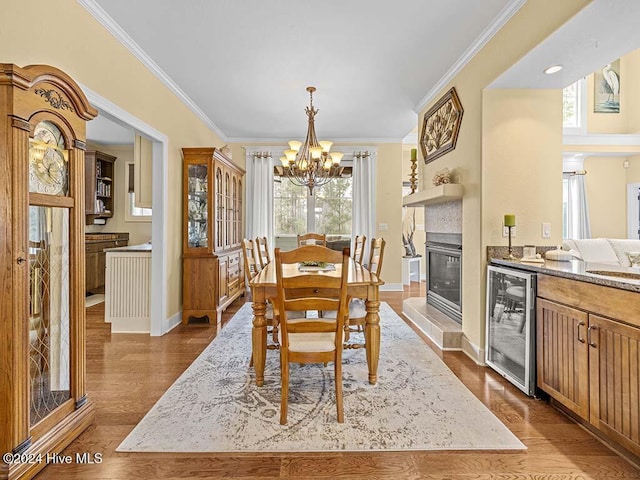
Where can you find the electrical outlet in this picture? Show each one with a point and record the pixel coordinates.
(505, 231)
(383, 226)
(420, 227)
(546, 230)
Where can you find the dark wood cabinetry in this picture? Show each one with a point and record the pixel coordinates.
(99, 185)
(96, 258)
(212, 231)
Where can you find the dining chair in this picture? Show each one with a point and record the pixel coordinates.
(251, 265)
(357, 306)
(263, 251)
(311, 340)
(358, 248)
(312, 239)
(251, 269)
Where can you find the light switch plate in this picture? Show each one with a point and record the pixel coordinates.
(383, 226)
(505, 231)
(546, 230)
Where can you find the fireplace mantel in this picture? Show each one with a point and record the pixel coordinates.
(442, 193)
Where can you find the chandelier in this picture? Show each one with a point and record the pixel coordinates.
(310, 164)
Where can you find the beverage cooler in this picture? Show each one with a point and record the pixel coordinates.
(511, 328)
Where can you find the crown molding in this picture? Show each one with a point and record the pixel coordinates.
(278, 150)
(503, 17)
(119, 34)
(336, 141)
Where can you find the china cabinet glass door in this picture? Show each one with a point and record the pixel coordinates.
(198, 207)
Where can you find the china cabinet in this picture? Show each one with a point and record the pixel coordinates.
(43, 400)
(212, 232)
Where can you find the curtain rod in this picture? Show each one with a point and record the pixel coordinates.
(575, 172)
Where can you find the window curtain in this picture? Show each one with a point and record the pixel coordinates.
(259, 196)
(577, 208)
(364, 198)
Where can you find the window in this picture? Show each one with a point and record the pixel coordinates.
(134, 214)
(574, 108)
(327, 211)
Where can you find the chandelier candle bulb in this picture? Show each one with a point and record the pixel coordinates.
(509, 220)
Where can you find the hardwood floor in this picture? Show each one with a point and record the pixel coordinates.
(127, 373)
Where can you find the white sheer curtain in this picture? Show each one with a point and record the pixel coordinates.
(363, 220)
(577, 208)
(259, 196)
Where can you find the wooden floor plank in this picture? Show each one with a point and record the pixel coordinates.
(127, 374)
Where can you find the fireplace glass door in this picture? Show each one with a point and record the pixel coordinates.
(443, 285)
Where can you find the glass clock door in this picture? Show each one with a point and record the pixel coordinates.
(49, 310)
(198, 208)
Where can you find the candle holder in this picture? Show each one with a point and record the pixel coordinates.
(510, 251)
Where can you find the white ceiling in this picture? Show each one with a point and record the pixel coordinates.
(600, 33)
(246, 64)
(243, 66)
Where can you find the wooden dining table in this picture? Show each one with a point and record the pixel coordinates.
(361, 283)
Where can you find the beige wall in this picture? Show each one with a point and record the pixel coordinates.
(139, 231)
(522, 164)
(526, 29)
(606, 188)
(633, 172)
(82, 48)
(389, 207)
(628, 120)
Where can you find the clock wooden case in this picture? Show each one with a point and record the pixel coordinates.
(43, 401)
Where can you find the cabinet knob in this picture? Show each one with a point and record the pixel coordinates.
(20, 260)
(580, 339)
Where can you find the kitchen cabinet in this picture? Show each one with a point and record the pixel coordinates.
(95, 257)
(588, 355)
(212, 232)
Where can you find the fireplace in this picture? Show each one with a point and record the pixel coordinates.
(444, 272)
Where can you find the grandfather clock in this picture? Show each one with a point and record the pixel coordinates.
(43, 401)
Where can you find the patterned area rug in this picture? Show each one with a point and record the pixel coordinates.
(417, 404)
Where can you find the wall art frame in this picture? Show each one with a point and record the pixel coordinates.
(606, 88)
(441, 126)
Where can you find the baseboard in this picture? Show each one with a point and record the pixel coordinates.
(472, 351)
(392, 287)
(174, 321)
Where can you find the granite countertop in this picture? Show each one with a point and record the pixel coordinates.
(579, 270)
(144, 247)
(90, 237)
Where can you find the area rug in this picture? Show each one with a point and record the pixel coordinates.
(417, 403)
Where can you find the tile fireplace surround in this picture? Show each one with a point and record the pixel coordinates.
(446, 333)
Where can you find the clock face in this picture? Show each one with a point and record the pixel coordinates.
(48, 166)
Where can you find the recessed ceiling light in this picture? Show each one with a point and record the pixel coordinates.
(552, 69)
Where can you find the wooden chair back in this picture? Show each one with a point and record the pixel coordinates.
(358, 248)
(375, 256)
(311, 340)
(263, 251)
(312, 239)
(251, 265)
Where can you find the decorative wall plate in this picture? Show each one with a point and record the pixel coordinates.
(441, 126)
